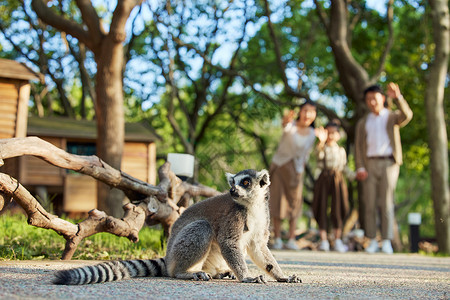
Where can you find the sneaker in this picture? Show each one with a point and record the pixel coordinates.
(339, 246)
(292, 245)
(386, 247)
(324, 246)
(373, 246)
(278, 244)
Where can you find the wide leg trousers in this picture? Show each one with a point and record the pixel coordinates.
(378, 195)
(285, 191)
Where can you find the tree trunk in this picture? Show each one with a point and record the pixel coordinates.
(108, 51)
(438, 142)
(353, 77)
(110, 120)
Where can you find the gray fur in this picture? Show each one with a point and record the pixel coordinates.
(209, 240)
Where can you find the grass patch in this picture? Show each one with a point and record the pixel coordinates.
(20, 241)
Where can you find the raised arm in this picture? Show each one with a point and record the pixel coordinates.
(404, 112)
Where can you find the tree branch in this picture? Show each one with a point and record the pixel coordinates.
(159, 205)
(98, 221)
(91, 19)
(353, 76)
(70, 27)
(120, 17)
(390, 42)
(322, 15)
(277, 48)
(89, 165)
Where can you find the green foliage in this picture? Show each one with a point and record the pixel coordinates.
(18, 240)
(47, 51)
(238, 139)
(413, 192)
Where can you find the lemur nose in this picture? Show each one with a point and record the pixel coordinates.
(233, 190)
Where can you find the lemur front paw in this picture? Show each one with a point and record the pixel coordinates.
(290, 279)
(258, 279)
(294, 279)
(223, 275)
(201, 276)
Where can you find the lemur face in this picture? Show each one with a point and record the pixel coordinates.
(246, 183)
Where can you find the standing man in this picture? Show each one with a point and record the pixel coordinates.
(378, 156)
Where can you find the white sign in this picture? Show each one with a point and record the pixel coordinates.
(181, 164)
(414, 218)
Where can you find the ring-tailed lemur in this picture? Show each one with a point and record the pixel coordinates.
(209, 240)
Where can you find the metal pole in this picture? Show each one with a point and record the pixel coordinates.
(414, 221)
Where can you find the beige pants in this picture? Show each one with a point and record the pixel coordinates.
(285, 191)
(378, 195)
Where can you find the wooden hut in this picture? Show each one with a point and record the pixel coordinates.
(68, 191)
(14, 95)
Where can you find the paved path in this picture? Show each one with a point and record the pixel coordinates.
(324, 275)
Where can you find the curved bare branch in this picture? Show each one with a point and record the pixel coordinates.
(120, 18)
(277, 47)
(70, 27)
(89, 165)
(91, 19)
(390, 41)
(159, 206)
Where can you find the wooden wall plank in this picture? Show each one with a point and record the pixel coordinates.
(151, 148)
(35, 171)
(134, 160)
(22, 110)
(8, 108)
(80, 193)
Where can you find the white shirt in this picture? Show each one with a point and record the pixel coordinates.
(378, 143)
(294, 146)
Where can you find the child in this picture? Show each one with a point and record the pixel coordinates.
(332, 159)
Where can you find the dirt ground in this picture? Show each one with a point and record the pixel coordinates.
(325, 276)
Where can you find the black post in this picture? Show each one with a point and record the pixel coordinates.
(414, 238)
(414, 220)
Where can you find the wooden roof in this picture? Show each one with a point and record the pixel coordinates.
(83, 129)
(16, 70)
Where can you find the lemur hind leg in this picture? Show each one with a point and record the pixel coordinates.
(215, 265)
(189, 250)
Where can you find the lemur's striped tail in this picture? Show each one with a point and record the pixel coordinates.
(112, 271)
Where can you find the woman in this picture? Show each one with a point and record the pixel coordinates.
(286, 171)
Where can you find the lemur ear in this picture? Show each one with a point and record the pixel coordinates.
(263, 178)
(230, 178)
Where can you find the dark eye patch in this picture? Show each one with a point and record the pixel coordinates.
(245, 182)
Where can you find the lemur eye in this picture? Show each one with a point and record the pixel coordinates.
(245, 182)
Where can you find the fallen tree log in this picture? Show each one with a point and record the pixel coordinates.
(152, 204)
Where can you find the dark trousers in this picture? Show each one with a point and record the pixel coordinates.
(330, 183)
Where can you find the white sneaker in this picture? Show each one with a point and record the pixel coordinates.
(386, 247)
(373, 246)
(292, 245)
(324, 246)
(339, 246)
(277, 244)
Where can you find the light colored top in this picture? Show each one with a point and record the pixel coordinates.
(332, 158)
(294, 146)
(377, 139)
(396, 119)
